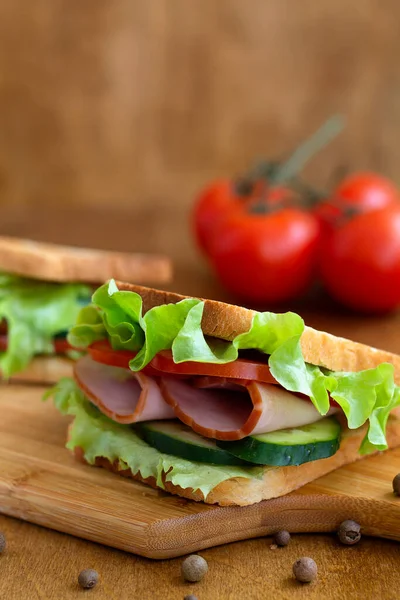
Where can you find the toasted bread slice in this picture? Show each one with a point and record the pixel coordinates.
(225, 321)
(276, 482)
(52, 262)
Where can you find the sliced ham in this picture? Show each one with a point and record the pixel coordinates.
(219, 408)
(227, 410)
(122, 395)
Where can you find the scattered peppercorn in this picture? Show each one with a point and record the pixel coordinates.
(3, 543)
(88, 578)
(305, 569)
(190, 597)
(396, 485)
(349, 532)
(282, 538)
(194, 567)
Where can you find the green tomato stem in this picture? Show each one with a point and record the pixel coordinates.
(297, 161)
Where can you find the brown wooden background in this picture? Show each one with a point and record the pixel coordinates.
(132, 101)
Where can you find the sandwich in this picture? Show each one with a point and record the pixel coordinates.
(43, 287)
(218, 403)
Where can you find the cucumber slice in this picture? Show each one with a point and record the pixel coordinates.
(288, 446)
(173, 437)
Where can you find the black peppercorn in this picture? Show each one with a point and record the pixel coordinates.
(349, 533)
(194, 567)
(305, 569)
(2, 542)
(396, 485)
(282, 538)
(88, 578)
(190, 597)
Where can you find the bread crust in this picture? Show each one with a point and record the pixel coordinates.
(319, 348)
(276, 482)
(53, 262)
(45, 370)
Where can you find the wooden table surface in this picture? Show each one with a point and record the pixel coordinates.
(44, 564)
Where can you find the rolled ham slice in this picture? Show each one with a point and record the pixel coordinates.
(231, 410)
(120, 394)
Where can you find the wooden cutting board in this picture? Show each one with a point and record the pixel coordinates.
(41, 482)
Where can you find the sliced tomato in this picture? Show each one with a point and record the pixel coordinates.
(102, 352)
(61, 346)
(239, 369)
(163, 362)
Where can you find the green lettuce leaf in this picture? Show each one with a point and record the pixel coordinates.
(35, 313)
(126, 327)
(365, 396)
(98, 435)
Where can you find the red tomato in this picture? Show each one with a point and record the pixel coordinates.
(360, 261)
(221, 198)
(360, 192)
(238, 369)
(367, 191)
(212, 203)
(163, 363)
(328, 214)
(102, 352)
(3, 343)
(274, 195)
(266, 257)
(61, 346)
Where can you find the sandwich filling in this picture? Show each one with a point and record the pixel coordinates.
(34, 319)
(157, 396)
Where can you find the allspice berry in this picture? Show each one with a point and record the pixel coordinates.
(194, 567)
(282, 538)
(305, 569)
(3, 543)
(349, 532)
(88, 578)
(396, 485)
